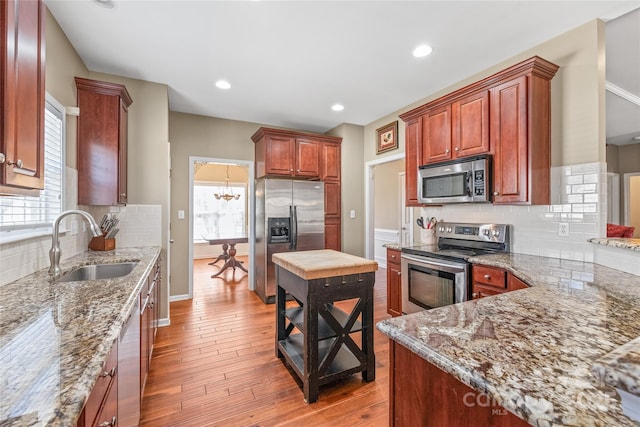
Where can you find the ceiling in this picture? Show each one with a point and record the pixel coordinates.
(288, 62)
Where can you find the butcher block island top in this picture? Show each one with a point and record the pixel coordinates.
(323, 263)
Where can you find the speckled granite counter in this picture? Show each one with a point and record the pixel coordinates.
(394, 246)
(631, 244)
(533, 350)
(55, 337)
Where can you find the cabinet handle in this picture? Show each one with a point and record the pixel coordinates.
(110, 423)
(495, 193)
(486, 276)
(111, 373)
(123, 194)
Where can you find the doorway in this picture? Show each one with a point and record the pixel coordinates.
(221, 209)
(372, 245)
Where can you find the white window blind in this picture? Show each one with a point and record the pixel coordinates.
(215, 218)
(27, 212)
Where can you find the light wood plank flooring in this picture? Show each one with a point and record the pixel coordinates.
(215, 365)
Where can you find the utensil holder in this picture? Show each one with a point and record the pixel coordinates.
(102, 244)
(428, 236)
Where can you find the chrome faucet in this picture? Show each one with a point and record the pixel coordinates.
(55, 252)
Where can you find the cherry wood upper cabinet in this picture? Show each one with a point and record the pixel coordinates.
(330, 161)
(436, 131)
(22, 89)
(507, 114)
(102, 142)
(413, 155)
(470, 125)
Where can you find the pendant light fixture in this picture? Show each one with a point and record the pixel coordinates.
(227, 194)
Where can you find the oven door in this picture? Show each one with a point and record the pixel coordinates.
(430, 282)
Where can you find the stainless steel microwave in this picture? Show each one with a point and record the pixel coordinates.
(463, 180)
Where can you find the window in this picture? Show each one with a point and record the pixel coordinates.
(28, 212)
(213, 218)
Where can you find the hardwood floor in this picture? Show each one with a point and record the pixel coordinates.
(215, 365)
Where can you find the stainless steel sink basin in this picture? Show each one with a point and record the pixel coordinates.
(99, 271)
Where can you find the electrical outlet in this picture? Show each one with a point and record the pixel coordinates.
(563, 229)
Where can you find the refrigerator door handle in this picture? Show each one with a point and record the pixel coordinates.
(294, 225)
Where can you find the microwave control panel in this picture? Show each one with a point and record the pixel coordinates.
(478, 182)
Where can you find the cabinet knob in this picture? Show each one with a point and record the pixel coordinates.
(123, 194)
(2, 158)
(111, 373)
(17, 163)
(475, 295)
(496, 193)
(112, 422)
(446, 151)
(486, 276)
(457, 149)
(399, 273)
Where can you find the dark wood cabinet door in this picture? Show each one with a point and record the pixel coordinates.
(280, 155)
(394, 287)
(509, 136)
(102, 142)
(436, 134)
(307, 158)
(330, 162)
(413, 157)
(470, 129)
(22, 89)
(332, 199)
(513, 283)
(332, 239)
(421, 394)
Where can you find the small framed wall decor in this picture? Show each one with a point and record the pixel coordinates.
(387, 137)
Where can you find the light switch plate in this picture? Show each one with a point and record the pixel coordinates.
(352, 214)
(180, 214)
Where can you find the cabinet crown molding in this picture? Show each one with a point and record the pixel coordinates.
(105, 88)
(535, 65)
(260, 133)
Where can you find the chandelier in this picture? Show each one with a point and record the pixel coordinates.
(228, 193)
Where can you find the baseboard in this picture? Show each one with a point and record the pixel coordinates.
(182, 297)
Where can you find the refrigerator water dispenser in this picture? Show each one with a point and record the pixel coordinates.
(279, 230)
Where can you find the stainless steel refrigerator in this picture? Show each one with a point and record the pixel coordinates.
(289, 217)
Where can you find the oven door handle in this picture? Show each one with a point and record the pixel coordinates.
(434, 262)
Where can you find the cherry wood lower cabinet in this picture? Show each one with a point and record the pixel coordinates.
(487, 281)
(422, 394)
(104, 396)
(394, 283)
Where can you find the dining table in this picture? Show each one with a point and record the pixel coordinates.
(228, 254)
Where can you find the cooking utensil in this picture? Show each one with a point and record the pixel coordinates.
(420, 222)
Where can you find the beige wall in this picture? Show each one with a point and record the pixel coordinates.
(148, 154)
(623, 159)
(577, 104)
(387, 195)
(352, 181)
(198, 136)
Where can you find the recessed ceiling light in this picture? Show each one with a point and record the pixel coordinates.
(422, 51)
(337, 107)
(223, 84)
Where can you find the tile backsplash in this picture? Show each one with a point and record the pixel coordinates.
(578, 196)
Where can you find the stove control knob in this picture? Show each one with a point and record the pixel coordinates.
(485, 232)
(449, 229)
(441, 229)
(496, 233)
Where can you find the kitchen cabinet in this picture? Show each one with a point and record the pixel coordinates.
(521, 134)
(295, 154)
(423, 394)
(102, 142)
(129, 398)
(507, 115)
(413, 157)
(102, 404)
(22, 93)
(394, 285)
(149, 310)
(487, 281)
(436, 131)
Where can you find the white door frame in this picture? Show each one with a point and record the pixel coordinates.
(627, 196)
(369, 193)
(251, 213)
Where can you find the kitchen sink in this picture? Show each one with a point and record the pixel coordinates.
(99, 271)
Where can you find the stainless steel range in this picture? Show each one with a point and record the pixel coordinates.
(438, 275)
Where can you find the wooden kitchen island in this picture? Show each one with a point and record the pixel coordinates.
(315, 337)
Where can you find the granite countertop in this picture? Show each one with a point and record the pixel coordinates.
(393, 246)
(617, 242)
(323, 263)
(54, 337)
(537, 351)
